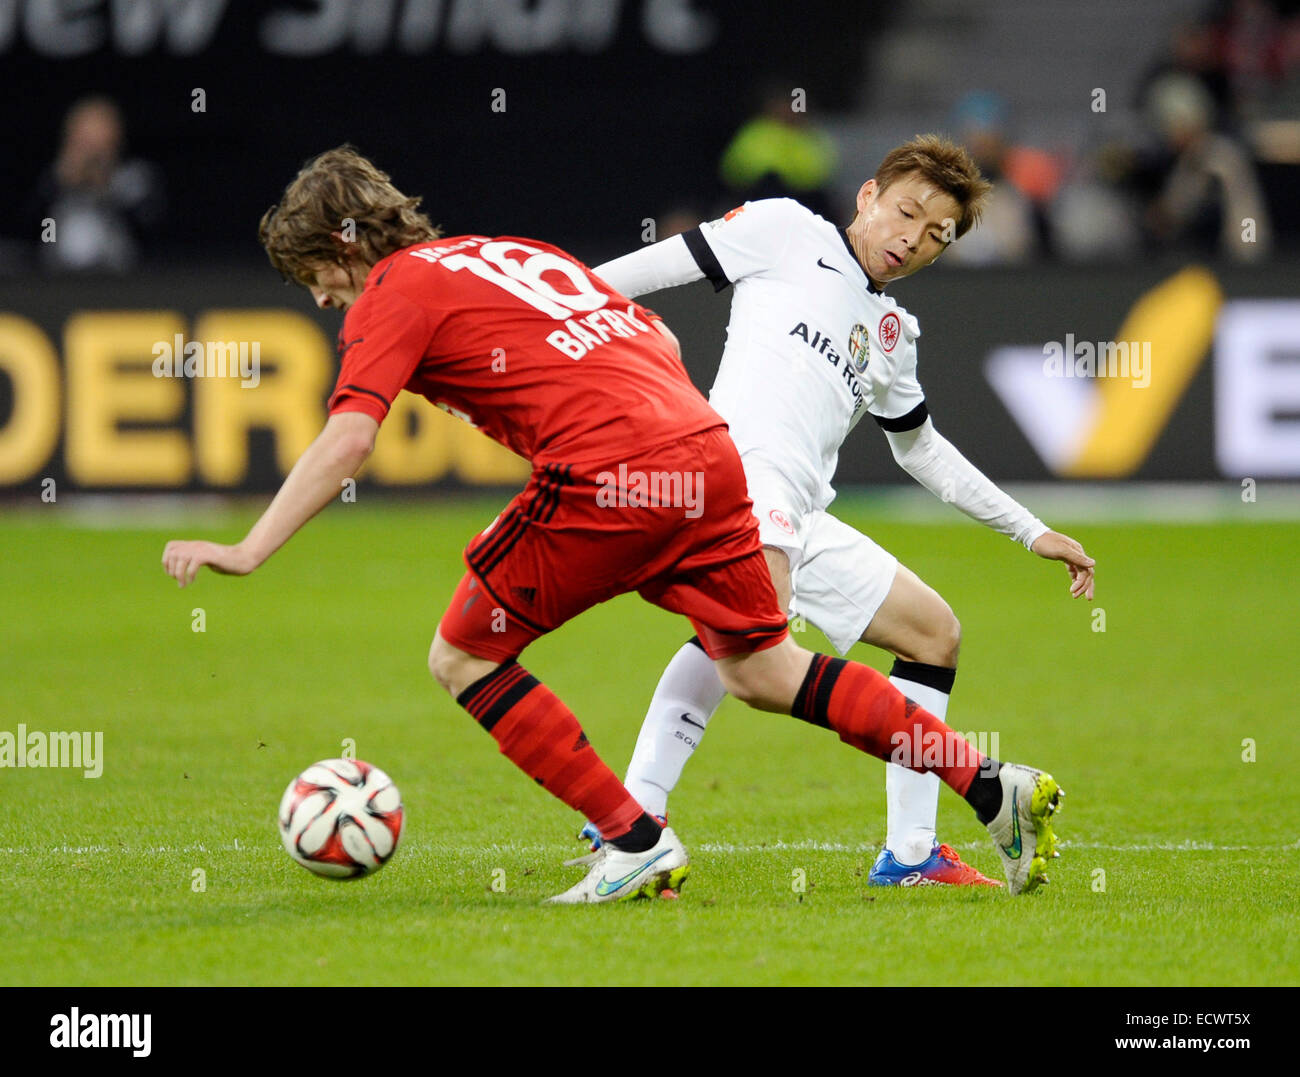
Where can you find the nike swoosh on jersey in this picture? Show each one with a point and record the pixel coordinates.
(831, 268)
(606, 887)
(691, 721)
(343, 348)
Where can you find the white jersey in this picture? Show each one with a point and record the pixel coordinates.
(811, 345)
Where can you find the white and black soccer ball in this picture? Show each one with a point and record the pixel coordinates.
(341, 818)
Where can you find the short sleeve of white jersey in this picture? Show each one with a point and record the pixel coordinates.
(898, 402)
(747, 241)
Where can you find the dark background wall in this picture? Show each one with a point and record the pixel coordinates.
(615, 110)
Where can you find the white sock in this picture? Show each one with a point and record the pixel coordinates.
(688, 694)
(912, 797)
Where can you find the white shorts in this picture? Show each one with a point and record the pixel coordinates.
(838, 576)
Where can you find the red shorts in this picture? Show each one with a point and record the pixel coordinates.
(674, 524)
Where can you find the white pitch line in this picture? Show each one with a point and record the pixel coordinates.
(1188, 845)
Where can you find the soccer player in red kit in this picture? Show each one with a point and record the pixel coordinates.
(636, 486)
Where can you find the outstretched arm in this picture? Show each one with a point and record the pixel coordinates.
(936, 464)
(750, 240)
(337, 453)
(660, 265)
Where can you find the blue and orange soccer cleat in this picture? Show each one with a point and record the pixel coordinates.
(943, 868)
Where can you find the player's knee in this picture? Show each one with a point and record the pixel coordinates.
(445, 664)
(936, 640)
(455, 669)
(948, 640)
(749, 689)
(764, 684)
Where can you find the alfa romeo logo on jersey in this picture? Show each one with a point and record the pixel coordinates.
(860, 347)
(888, 331)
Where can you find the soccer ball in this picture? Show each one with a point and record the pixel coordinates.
(341, 818)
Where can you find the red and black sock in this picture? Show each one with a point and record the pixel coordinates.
(541, 736)
(875, 717)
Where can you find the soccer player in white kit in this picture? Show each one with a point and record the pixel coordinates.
(813, 344)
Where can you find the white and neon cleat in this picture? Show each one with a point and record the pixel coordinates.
(591, 835)
(618, 876)
(586, 860)
(1022, 829)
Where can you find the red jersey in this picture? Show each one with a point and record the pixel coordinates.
(521, 340)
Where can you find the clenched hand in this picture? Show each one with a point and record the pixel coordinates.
(1057, 547)
(182, 560)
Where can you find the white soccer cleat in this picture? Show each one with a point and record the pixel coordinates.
(617, 876)
(1022, 829)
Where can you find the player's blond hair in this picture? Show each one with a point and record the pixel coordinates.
(339, 191)
(947, 167)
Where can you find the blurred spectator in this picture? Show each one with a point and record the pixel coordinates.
(1246, 55)
(683, 218)
(1093, 219)
(1259, 47)
(101, 204)
(1014, 227)
(1197, 51)
(1201, 184)
(779, 153)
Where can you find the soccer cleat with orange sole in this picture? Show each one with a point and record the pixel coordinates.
(942, 868)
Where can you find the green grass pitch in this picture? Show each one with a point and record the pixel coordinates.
(1180, 855)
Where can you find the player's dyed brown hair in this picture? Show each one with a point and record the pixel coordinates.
(330, 190)
(945, 166)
